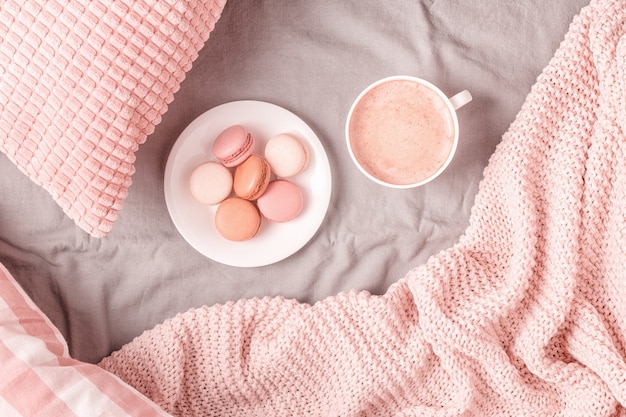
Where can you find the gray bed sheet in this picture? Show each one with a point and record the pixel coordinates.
(312, 58)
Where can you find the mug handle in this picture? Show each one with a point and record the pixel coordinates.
(460, 99)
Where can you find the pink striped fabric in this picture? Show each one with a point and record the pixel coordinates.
(39, 378)
(82, 85)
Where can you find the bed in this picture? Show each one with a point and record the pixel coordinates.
(102, 288)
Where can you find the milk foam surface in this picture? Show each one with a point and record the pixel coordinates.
(401, 132)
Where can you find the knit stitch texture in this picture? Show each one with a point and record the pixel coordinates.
(82, 85)
(524, 316)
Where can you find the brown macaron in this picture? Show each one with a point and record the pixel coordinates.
(252, 177)
(237, 219)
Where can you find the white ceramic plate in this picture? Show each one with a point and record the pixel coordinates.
(274, 241)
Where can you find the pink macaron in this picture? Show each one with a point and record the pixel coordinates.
(210, 183)
(233, 145)
(282, 201)
(287, 155)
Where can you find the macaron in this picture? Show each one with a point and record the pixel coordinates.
(252, 177)
(211, 183)
(282, 201)
(237, 219)
(286, 154)
(233, 145)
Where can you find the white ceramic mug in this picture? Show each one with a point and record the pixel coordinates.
(403, 131)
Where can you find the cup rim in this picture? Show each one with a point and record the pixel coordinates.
(434, 88)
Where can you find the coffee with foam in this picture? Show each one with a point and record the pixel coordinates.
(402, 132)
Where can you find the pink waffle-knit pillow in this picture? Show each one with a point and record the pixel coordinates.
(82, 85)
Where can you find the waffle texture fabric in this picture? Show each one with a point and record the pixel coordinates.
(83, 83)
(524, 316)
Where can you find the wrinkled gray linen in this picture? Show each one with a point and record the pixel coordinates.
(313, 58)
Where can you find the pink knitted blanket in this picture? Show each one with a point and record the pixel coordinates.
(524, 316)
